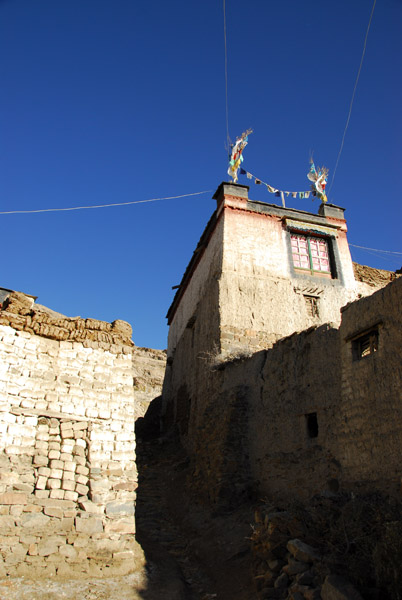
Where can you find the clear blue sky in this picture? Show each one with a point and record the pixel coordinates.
(115, 101)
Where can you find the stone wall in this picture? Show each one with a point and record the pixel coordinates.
(68, 474)
(149, 370)
(304, 417)
(369, 433)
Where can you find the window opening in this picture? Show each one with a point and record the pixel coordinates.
(312, 425)
(312, 306)
(310, 253)
(365, 344)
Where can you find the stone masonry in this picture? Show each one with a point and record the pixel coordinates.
(318, 413)
(68, 475)
(149, 369)
(262, 379)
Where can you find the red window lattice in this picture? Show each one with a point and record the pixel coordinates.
(310, 253)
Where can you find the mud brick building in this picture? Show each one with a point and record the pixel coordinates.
(280, 360)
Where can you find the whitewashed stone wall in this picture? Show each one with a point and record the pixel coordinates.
(67, 450)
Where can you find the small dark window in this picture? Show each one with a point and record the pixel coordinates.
(312, 425)
(191, 322)
(365, 344)
(311, 305)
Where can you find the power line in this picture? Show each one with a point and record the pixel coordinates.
(43, 210)
(226, 77)
(375, 249)
(353, 97)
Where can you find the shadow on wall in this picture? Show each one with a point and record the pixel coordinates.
(155, 530)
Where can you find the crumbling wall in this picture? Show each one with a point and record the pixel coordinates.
(67, 457)
(149, 370)
(372, 277)
(292, 422)
(303, 417)
(370, 427)
(193, 334)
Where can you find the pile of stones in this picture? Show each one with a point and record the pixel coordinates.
(287, 568)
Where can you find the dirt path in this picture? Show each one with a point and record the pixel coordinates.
(211, 553)
(190, 554)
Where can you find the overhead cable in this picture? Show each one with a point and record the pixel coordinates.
(43, 210)
(353, 96)
(375, 249)
(226, 78)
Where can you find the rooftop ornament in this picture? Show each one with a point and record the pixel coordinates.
(319, 177)
(236, 157)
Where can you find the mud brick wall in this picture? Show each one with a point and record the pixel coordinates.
(304, 417)
(370, 427)
(149, 370)
(67, 449)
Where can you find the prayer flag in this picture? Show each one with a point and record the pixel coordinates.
(236, 157)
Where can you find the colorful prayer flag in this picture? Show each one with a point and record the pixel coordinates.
(318, 175)
(236, 157)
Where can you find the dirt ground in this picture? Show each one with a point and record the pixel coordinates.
(190, 554)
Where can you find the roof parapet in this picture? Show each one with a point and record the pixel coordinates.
(230, 189)
(332, 211)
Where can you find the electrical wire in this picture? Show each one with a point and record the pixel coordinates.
(375, 249)
(386, 258)
(43, 210)
(353, 97)
(226, 78)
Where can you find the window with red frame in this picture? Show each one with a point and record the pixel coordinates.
(310, 253)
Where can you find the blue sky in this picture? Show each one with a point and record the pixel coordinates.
(118, 101)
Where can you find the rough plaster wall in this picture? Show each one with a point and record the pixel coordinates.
(370, 430)
(252, 432)
(345, 257)
(249, 428)
(194, 350)
(193, 333)
(149, 370)
(300, 376)
(254, 244)
(208, 269)
(260, 299)
(68, 473)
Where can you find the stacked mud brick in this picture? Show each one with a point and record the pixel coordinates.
(67, 449)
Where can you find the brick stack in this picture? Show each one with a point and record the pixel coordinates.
(68, 476)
